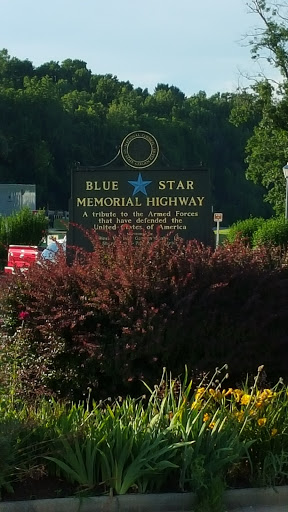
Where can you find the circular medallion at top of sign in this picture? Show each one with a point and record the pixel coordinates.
(139, 149)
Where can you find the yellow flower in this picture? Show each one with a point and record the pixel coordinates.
(245, 399)
(200, 392)
(196, 404)
(261, 422)
(266, 394)
(215, 393)
(274, 432)
(206, 417)
(237, 394)
(212, 424)
(239, 415)
(228, 392)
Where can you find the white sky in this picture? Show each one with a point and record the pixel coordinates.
(194, 45)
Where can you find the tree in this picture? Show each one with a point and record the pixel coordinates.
(267, 148)
(270, 42)
(13, 71)
(51, 69)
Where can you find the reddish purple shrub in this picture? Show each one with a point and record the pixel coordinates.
(107, 320)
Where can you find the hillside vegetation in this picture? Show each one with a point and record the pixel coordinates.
(57, 115)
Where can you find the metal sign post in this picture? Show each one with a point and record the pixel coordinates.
(218, 217)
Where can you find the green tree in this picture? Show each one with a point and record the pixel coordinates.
(270, 41)
(51, 69)
(267, 148)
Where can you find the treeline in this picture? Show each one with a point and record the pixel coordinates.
(56, 115)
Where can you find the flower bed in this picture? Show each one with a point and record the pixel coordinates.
(178, 438)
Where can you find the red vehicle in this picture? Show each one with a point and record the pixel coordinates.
(21, 257)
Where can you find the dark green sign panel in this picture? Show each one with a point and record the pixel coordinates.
(176, 201)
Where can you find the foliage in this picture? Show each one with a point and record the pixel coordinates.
(244, 229)
(265, 103)
(78, 462)
(273, 231)
(271, 41)
(24, 227)
(7, 460)
(59, 114)
(183, 436)
(257, 232)
(116, 315)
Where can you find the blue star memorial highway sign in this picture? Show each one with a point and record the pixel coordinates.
(139, 190)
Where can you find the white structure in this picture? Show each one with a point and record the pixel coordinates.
(14, 197)
(52, 248)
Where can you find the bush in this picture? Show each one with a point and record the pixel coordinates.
(23, 227)
(245, 229)
(272, 232)
(120, 314)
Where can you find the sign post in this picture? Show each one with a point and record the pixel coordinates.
(218, 217)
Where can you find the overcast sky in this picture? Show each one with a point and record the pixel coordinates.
(194, 45)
